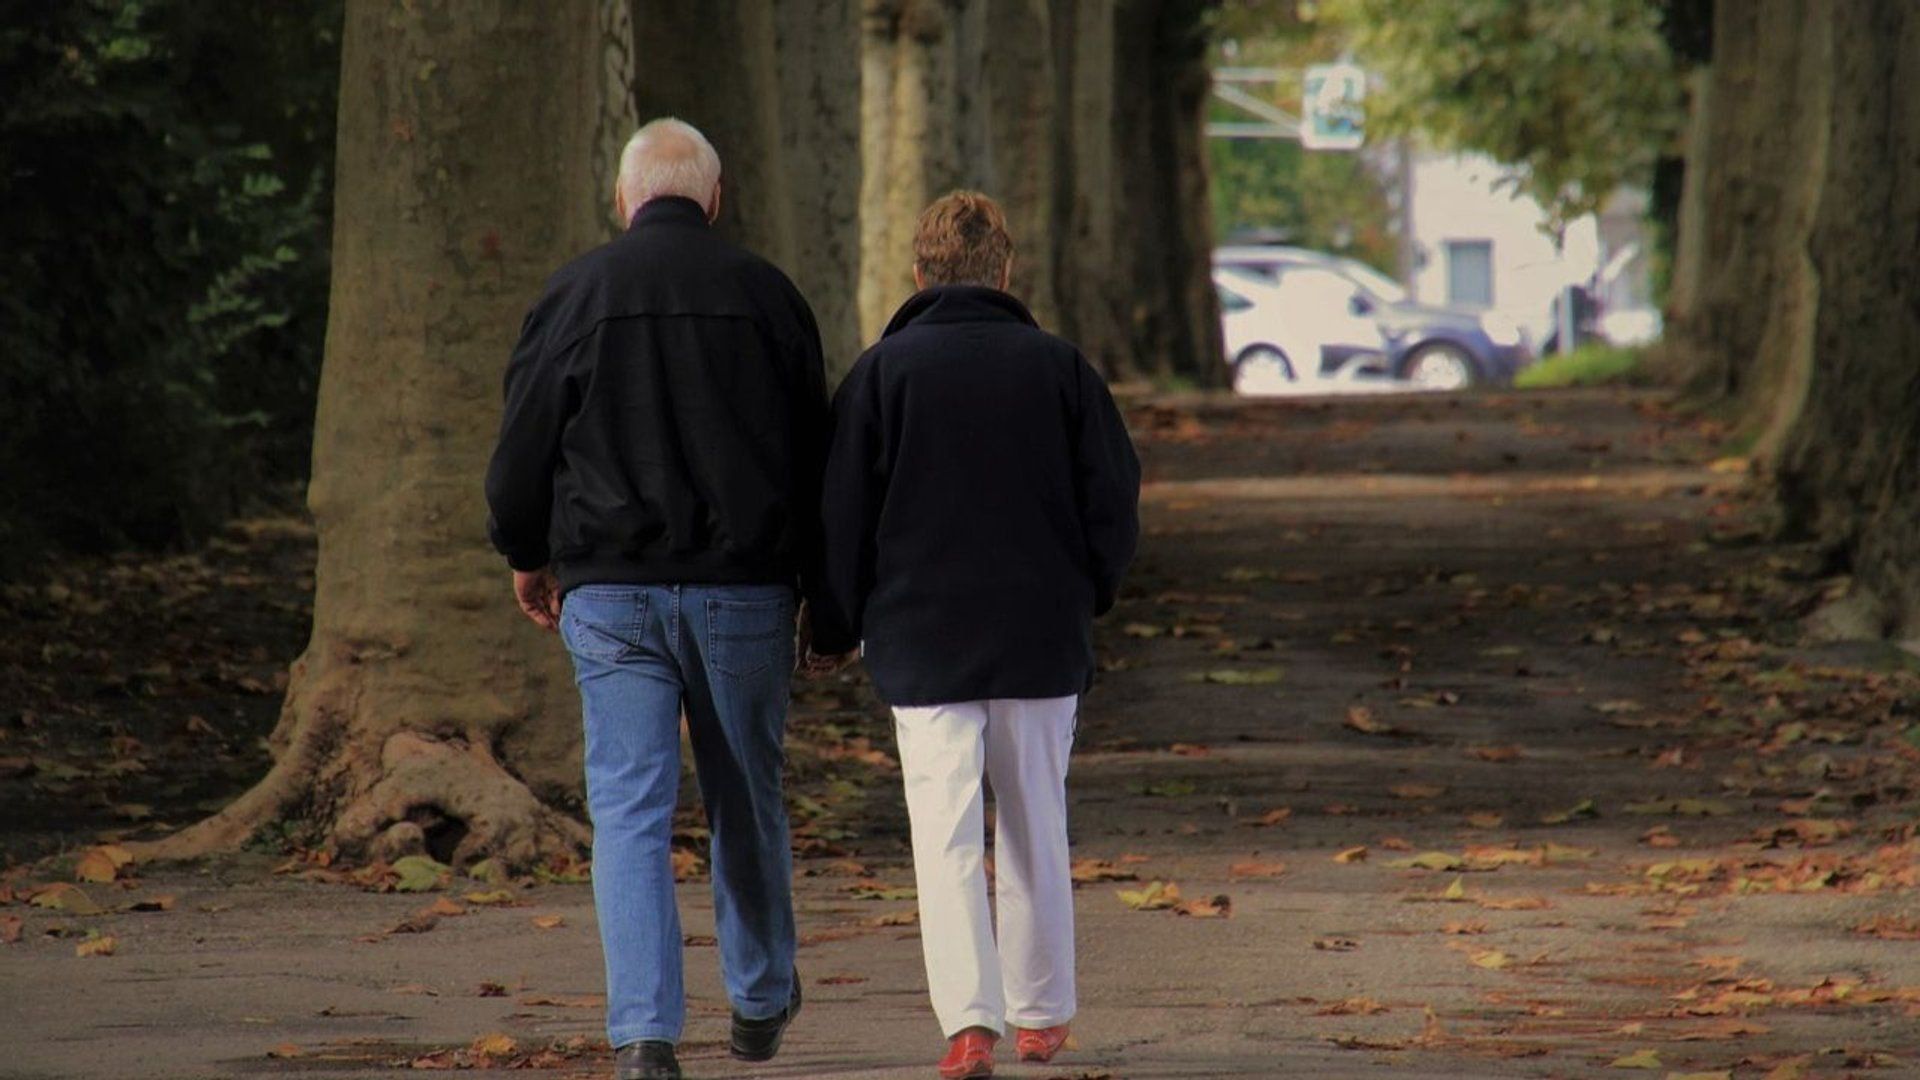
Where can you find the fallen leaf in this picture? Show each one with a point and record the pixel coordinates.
(1639, 1059)
(1361, 719)
(1891, 927)
(1190, 750)
(1335, 944)
(1491, 959)
(418, 873)
(549, 922)
(102, 864)
(1087, 871)
(494, 1045)
(1254, 869)
(1351, 855)
(96, 944)
(1156, 896)
(489, 898)
(284, 1050)
(1218, 906)
(1497, 754)
(1585, 808)
(1428, 860)
(10, 927)
(490, 989)
(1169, 789)
(1486, 820)
(1418, 791)
(1463, 928)
(1272, 817)
(895, 918)
(61, 896)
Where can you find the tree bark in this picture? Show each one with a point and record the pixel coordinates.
(426, 712)
(773, 86)
(1801, 310)
(1161, 84)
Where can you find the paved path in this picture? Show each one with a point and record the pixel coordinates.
(1521, 641)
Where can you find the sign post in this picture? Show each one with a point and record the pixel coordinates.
(1332, 117)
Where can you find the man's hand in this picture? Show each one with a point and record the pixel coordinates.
(539, 595)
(815, 665)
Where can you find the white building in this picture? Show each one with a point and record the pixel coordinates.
(1480, 244)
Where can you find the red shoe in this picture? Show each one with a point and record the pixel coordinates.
(1039, 1044)
(969, 1055)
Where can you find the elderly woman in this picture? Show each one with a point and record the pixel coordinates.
(980, 507)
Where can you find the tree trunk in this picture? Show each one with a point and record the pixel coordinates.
(1161, 84)
(772, 85)
(1849, 468)
(426, 713)
(1801, 310)
(922, 134)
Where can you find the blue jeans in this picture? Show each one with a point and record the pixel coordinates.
(724, 654)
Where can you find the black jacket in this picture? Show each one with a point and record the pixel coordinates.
(666, 416)
(981, 504)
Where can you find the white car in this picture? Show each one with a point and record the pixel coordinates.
(1295, 336)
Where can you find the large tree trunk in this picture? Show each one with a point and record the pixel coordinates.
(922, 134)
(426, 712)
(1161, 82)
(774, 86)
(1849, 467)
(1801, 311)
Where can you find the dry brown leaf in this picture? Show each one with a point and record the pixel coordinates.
(102, 864)
(1088, 871)
(10, 927)
(1255, 869)
(1272, 817)
(1351, 855)
(102, 945)
(1497, 754)
(1418, 791)
(549, 922)
(1486, 819)
(1218, 906)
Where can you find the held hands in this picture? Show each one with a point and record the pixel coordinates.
(538, 593)
(807, 662)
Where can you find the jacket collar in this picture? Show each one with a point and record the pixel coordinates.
(959, 303)
(676, 209)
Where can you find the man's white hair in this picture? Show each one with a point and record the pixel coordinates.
(668, 156)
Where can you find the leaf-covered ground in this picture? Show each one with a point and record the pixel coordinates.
(1438, 738)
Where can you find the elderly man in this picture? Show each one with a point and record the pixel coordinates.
(981, 506)
(655, 490)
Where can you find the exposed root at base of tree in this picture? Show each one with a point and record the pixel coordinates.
(422, 793)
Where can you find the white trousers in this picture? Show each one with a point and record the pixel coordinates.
(1025, 976)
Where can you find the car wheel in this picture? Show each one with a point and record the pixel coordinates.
(1440, 367)
(1259, 367)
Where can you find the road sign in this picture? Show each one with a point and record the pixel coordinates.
(1331, 113)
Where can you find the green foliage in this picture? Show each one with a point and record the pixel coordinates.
(162, 261)
(1328, 200)
(1579, 96)
(1588, 365)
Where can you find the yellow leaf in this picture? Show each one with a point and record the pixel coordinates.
(494, 1045)
(96, 946)
(489, 898)
(1429, 860)
(1639, 1059)
(1157, 895)
(61, 896)
(1352, 855)
(1456, 891)
(1492, 959)
(102, 864)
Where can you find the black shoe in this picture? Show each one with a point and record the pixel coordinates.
(759, 1040)
(650, 1059)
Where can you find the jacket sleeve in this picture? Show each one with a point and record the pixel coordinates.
(1107, 475)
(850, 511)
(520, 476)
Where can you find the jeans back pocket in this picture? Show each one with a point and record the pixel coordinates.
(602, 622)
(747, 636)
